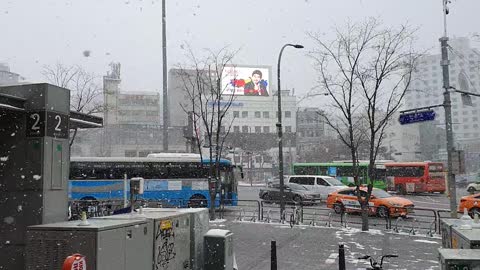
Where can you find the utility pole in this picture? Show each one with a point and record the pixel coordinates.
(447, 104)
(165, 91)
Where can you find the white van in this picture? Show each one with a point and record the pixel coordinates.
(318, 183)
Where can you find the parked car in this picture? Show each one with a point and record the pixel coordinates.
(317, 183)
(472, 203)
(473, 187)
(381, 202)
(293, 193)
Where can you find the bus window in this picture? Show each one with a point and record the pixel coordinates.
(406, 171)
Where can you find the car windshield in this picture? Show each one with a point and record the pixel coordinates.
(334, 181)
(294, 186)
(380, 193)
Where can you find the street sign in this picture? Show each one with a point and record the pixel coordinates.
(415, 117)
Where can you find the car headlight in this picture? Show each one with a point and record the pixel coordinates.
(307, 196)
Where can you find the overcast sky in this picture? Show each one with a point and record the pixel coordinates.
(42, 32)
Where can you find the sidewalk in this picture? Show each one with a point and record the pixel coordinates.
(317, 248)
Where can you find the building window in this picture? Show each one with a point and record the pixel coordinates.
(244, 114)
(257, 114)
(466, 126)
(236, 129)
(465, 112)
(288, 129)
(288, 114)
(266, 129)
(236, 114)
(245, 129)
(258, 129)
(475, 125)
(455, 113)
(266, 115)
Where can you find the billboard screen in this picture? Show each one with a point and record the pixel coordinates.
(246, 81)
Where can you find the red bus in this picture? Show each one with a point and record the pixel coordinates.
(415, 177)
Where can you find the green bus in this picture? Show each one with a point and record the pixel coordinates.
(343, 171)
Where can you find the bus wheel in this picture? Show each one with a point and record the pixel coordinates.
(401, 190)
(197, 201)
(382, 211)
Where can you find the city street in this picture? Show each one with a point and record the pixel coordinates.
(317, 248)
(435, 201)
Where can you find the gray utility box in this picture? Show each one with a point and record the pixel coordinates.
(173, 245)
(466, 238)
(107, 244)
(446, 225)
(218, 247)
(459, 259)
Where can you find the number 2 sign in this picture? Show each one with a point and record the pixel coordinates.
(52, 124)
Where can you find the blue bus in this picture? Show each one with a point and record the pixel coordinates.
(176, 180)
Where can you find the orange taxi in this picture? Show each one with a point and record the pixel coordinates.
(471, 202)
(381, 202)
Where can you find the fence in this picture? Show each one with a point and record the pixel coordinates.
(420, 220)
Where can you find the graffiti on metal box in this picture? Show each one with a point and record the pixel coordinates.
(165, 245)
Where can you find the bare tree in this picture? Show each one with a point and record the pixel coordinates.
(206, 100)
(86, 93)
(366, 70)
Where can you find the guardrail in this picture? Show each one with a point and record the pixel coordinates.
(421, 220)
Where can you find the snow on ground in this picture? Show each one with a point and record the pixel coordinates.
(218, 220)
(425, 241)
(246, 184)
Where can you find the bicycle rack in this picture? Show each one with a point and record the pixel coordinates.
(312, 222)
(267, 219)
(242, 214)
(254, 217)
(329, 222)
(346, 221)
(430, 233)
(396, 225)
(412, 230)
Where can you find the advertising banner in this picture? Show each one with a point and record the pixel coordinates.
(246, 81)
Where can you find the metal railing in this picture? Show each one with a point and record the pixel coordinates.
(420, 220)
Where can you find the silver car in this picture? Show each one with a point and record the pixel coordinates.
(323, 185)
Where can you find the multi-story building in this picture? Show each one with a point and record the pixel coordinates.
(6, 76)
(402, 142)
(252, 121)
(427, 89)
(310, 135)
(131, 124)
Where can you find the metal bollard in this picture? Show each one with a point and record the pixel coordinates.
(273, 258)
(341, 257)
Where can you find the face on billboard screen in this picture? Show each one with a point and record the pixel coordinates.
(246, 81)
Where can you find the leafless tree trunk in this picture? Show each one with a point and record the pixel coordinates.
(202, 83)
(366, 70)
(85, 95)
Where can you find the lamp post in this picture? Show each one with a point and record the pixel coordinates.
(279, 128)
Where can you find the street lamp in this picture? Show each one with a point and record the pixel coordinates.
(279, 128)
